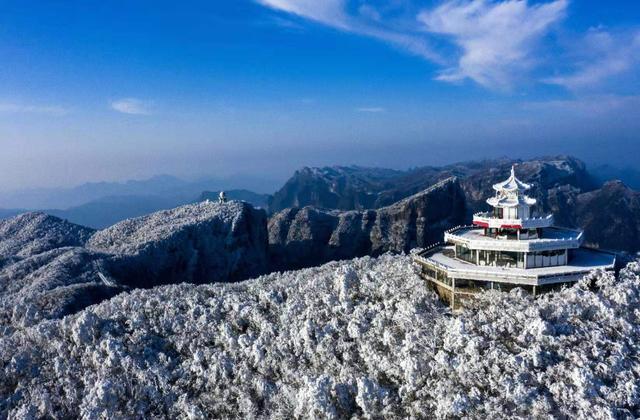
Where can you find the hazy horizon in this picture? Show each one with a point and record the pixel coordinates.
(113, 91)
(240, 180)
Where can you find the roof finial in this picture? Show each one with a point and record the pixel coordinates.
(513, 170)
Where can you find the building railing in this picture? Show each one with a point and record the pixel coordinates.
(530, 223)
(459, 228)
(542, 244)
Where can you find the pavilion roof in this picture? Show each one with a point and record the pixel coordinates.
(512, 184)
(506, 201)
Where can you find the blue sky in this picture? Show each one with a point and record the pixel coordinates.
(128, 89)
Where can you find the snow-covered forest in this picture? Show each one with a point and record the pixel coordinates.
(362, 338)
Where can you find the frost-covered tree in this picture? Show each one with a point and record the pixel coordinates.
(354, 339)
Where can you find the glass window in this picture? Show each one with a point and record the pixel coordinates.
(466, 254)
(507, 259)
(520, 259)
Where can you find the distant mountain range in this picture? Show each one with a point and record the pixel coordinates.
(99, 205)
(577, 196)
(609, 213)
(161, 185)
(358, 188)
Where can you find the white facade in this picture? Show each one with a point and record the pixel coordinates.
(507, 247)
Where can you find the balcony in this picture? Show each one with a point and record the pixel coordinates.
(488, 220)
(582, 262)
(552, 239)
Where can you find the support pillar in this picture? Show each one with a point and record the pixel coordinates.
(453, 294)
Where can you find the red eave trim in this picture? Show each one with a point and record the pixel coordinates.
(511, 227)
(481, 224)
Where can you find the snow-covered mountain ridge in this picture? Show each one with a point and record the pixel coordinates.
(50, 268)
(200, 243)
(353, 339)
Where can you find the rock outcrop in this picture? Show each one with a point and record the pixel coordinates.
(303, 237)
(198, 243)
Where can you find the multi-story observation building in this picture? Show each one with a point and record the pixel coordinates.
(509, 247)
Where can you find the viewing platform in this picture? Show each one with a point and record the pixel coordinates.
(582, 262)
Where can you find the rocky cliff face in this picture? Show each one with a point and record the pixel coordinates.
(562, 186)
(303, 237)
(198, 243)
(610, 217)
(338, 187)
(356, 188)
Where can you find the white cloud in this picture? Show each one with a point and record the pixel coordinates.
(602, 55)
(54, 110)
(497, 39)
(366, 20)
(495, 43)
(131, 106)
(330, 12)
(372, 110)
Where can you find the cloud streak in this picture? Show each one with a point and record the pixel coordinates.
(16, 108)
(131, 106)
(329, 12)
(366, 21)
(604, 55)
(588, 106)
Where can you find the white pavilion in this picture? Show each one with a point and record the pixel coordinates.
(509, 247)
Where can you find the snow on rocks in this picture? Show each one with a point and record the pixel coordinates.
(50, 268)
(33, 233)
(197, 243)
